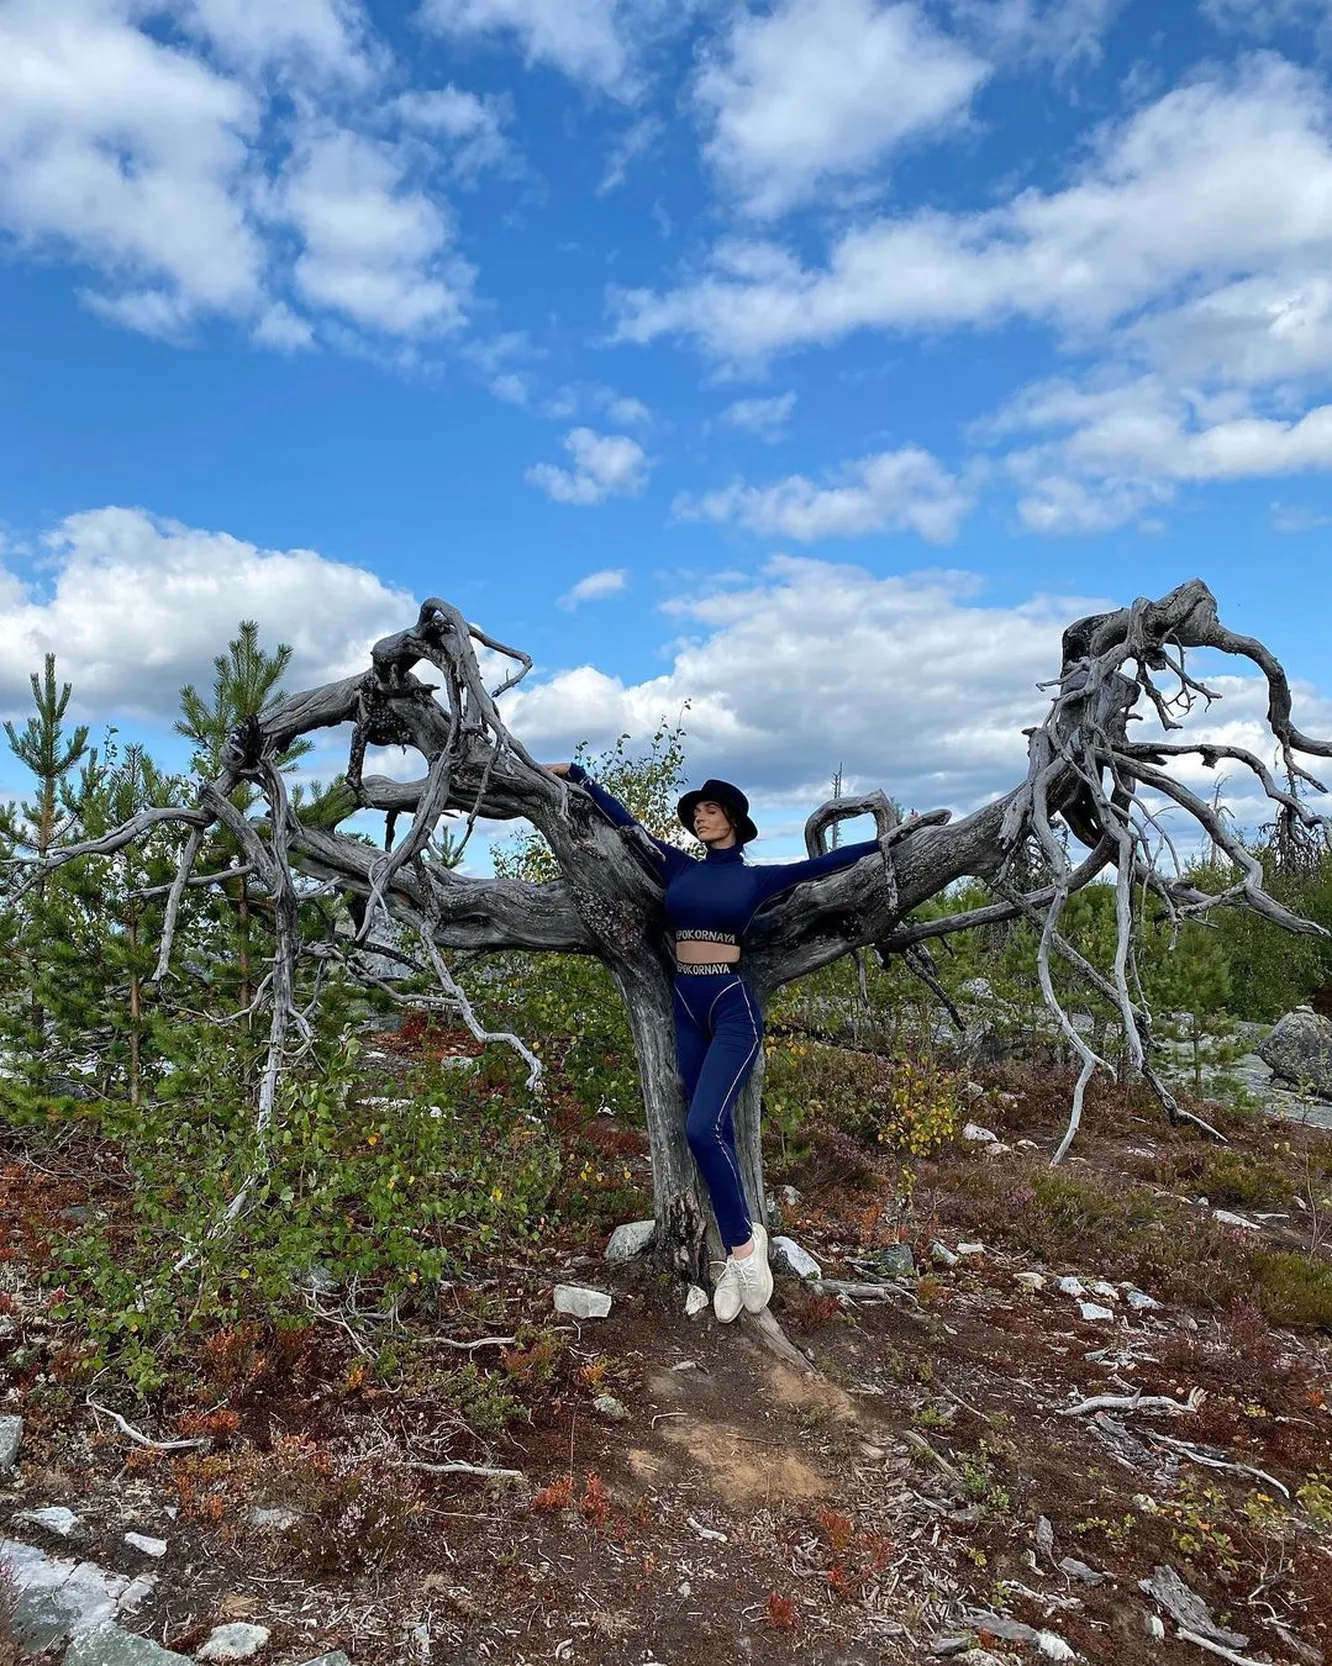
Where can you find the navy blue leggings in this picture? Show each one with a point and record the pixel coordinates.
(718, 1034)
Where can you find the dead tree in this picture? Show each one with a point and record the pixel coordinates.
(1084, 773)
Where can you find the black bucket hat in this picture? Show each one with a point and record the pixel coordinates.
(731, 799)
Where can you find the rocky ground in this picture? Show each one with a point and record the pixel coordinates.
(1069, 1417)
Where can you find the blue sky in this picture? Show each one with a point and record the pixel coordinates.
(811, 360)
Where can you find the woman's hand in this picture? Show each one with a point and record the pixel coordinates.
(556, 769)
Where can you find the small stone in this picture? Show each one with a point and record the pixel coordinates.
(150, 1547)
(606, 1405)
(1223, 1217)
(1032, 1281)
(998, 1149)
(870, 1452)
(971, 1249)
(1080, 1571)
(630, 1239)
(897, 1261)
(973, 1090)
(337, 1658)
(1107, 1292)
(237, 1641)
(696, 1300)
(581, 1303)
(789, 1197)
(1140, 1301)
(11, 1433)
(1069, 1286)
(106, 1644)
(54, 1519)
(277, 1518)
(942, 1253)
(685, 1365)
(977, 1135)
(1154, 1627)
(786, 1252)
(1093, 1313)
(1028, 1145)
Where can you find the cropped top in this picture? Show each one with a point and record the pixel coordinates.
(714, 899)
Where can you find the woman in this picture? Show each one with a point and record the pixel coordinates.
(710, 904)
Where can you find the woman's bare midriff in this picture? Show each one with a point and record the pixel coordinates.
(707, 954)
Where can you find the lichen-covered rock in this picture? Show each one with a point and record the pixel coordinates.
(630, 1239)
(237, 1641)
(581, 1303)
(106, 1644)
(1299, 1050)
(11, 1433)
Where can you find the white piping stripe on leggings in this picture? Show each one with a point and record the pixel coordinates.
(716, 1129)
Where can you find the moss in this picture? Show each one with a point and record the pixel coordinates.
(1293, 1288)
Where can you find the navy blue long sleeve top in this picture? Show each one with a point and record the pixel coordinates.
(716, 897)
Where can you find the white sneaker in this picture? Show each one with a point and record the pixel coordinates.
(726, 1298)
(753, 1275)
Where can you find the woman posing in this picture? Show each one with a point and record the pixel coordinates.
(710, 903)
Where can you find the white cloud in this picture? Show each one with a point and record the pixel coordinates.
(636, 141)
(319, 37)
(590, 41)
(910, 681)
(1123, 448)
(376, 248)
(893, 491)
(1264, 17)
(475, 124)
(765, 417)
(610, 581)
(816, 90)
(284, 329)
(128, 154)
(625, 409)
(134, 606)
(605, 465)
(1061, 32)
(1215, 180)
(1293, 517)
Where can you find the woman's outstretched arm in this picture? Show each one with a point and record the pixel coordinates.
(616, 812)
(776, 877)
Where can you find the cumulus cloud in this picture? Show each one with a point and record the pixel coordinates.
(127, 154)
(135, 606)
(594, 42)
(304, 37)
(1121, 448)
(1217, 179)
(893, 491)
(610, 581)
(916, 684)
(1264, 17)
(376, 248)
(605, 465)
(816, 90)
(913, 682)
(1064, 33)
(474, 124)
(765, 417)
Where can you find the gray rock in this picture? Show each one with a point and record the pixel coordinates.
(630, 1239)
(1070, 1286)
(977, 1134)
(1080, 1571)
(337, 1658)
(57, 1596)
(696, 1299)
(1224, 1217)
(54, 1518)
(1299, 1050)
(943, 1254)
(278, 1518)
(1033, 1281)
(606, 1405)
(581, 1303)
(976, 989)
(1140, 1301)
(1094, 1313)
(789, 1197)
(897, 1261)
(1014, 1631)
(787, 1253)
(11, 1433)
(149, 1547)
(237, 1641)
(105, 1644)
